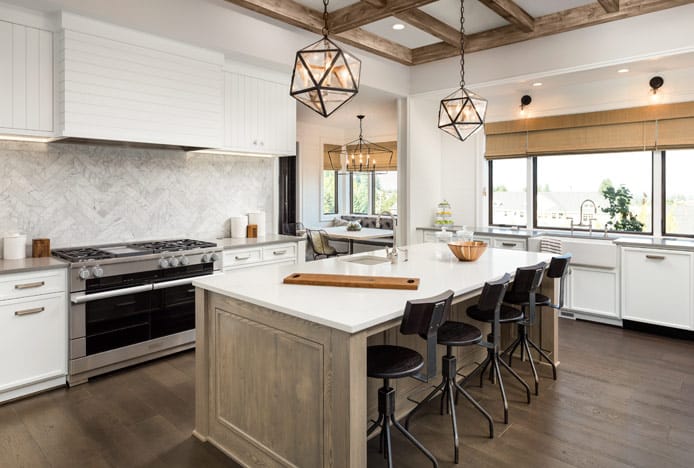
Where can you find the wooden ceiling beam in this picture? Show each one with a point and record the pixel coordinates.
(511, 12)
(376, 3)
(610, 6)
(431, 25)
(296, 14)
(361, 13)
(554, 23)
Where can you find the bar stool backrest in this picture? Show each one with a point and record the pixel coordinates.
(527, 281)
(491, 298)
(558, 268)
(423, 317)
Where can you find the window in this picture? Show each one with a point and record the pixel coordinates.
(678, 197)
(359, 183)
(594, 188)
(508, 181)
(330, 192)
(385, 192)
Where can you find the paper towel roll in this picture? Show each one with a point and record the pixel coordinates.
(257, 217)
(14, 246)
(238, 226)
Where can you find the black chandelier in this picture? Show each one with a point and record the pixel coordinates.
(360, 155)
(325, 77)
(462, 112)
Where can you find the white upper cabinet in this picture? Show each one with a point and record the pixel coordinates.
(260, 116)
(26, 80)
(118, 84)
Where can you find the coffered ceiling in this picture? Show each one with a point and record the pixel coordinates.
(431, 27)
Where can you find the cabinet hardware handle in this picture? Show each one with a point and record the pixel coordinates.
(242, 258)
(38, 284)
(655, 257)
(508, 244)
(279, 252)
(37, 310)
(191, 290)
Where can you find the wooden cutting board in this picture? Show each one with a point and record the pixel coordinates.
(353, 281)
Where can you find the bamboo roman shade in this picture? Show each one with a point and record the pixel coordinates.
(383, 161)
(640, 128)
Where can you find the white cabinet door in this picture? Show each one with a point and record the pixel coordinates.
(508, 243)
(593, 291)
(260, 116)
(26, 79)
(33, 347)
(657, 287)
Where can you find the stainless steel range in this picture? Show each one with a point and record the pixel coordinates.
(130, 303)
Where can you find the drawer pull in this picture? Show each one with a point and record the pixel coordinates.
(655, 257)
(247, 257)
(38, 284)
(37, 310)
(508, 244)
(279, 252)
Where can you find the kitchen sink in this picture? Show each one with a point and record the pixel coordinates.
(366, 260)
(591, 252)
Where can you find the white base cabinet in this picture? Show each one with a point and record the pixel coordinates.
(593, 291)
(33, 337)
(657, 287)
(245, 257)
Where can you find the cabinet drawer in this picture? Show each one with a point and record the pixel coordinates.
(279, 252)
(240, 258)
(512, 244)
(31, 284)
(33, 347)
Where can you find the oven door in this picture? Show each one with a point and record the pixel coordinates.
(176, 312)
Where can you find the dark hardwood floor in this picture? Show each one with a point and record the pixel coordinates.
(623, 399)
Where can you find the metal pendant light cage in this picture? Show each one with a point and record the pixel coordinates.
(360, 155)
(325, 77)
(462, 113)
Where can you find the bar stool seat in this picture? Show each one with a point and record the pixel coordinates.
(506, 314)
(521, 298)
(458, 334)
(392, 362)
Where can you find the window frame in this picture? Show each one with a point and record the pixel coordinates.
(373, 175)
(490, 207)
(663, 198)
(370, 201)
(336, 194)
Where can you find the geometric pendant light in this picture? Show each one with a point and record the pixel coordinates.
(461, 113)
(325, 77)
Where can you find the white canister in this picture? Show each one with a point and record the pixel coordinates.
(14, 246)
(238, 226)
(258, 218)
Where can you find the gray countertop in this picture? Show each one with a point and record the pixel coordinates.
(656, 243)
(490, 231)
(241, 242)
(31, 264)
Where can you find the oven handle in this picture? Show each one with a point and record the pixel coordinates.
(182, 281)
(82, 298)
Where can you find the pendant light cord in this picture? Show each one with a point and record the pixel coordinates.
(462, 44)
(325, 18)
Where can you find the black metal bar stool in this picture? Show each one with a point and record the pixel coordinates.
(452, 334)
(502, 314)
(527, 297)
(422, 317)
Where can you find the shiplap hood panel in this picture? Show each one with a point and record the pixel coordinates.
(121, 85)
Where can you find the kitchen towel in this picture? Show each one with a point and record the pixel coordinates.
(238, 226)
(551, 245)
(257, 218)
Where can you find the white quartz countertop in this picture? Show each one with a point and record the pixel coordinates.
(31, 264)
(355, 309)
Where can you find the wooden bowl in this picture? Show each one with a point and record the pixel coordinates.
(468, 251)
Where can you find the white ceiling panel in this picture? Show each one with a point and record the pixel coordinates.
(537, 8)
(477, 16)
(409, 37)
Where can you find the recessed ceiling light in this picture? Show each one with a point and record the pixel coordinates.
(623, 70)
(537, 83)
(398, 26)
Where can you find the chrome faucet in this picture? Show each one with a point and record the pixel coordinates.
(392, 254)
(590, 227)
(572, 225)
(583, 205)
(607, 224)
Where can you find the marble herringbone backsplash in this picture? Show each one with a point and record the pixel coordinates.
(78, 194)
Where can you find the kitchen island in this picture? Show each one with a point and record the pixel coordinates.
(281, 369)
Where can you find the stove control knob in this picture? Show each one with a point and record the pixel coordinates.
(183, 260)
(84, 273)
(164, 263)
(205, 258)
(97, 272)
(173, 261)
(214, 257)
